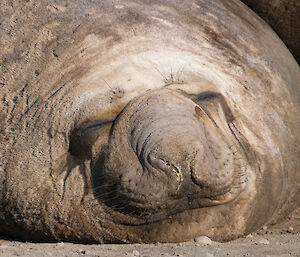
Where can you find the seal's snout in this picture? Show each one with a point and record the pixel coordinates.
(213, 170)
(163, 150)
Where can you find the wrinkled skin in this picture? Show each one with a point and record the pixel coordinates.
(144, 121)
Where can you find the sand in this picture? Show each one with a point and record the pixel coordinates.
(281, 240)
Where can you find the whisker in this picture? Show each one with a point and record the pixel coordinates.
(102, 186)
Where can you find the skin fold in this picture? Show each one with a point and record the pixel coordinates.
(144, 121)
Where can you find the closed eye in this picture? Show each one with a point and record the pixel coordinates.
(84, 138)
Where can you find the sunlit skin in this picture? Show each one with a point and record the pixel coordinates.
(145, 121)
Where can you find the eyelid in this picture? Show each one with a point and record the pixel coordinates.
(90, 126)
(83, 138)
(98, 125)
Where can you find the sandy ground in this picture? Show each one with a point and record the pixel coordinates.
(279, 245)
(280, 240)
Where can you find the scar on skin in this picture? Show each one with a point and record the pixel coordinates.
(200, 112)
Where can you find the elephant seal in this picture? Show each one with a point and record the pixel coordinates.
(144, 121)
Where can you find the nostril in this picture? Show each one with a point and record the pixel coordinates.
(173, 171)
(158, 162)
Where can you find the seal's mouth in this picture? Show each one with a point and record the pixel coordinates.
(138, 210)
(167, 154)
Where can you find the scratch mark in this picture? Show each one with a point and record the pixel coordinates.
(57, 91)
(75, 30)
(30, 107)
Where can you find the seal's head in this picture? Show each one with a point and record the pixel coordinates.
(169, 156)
(166, 155)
